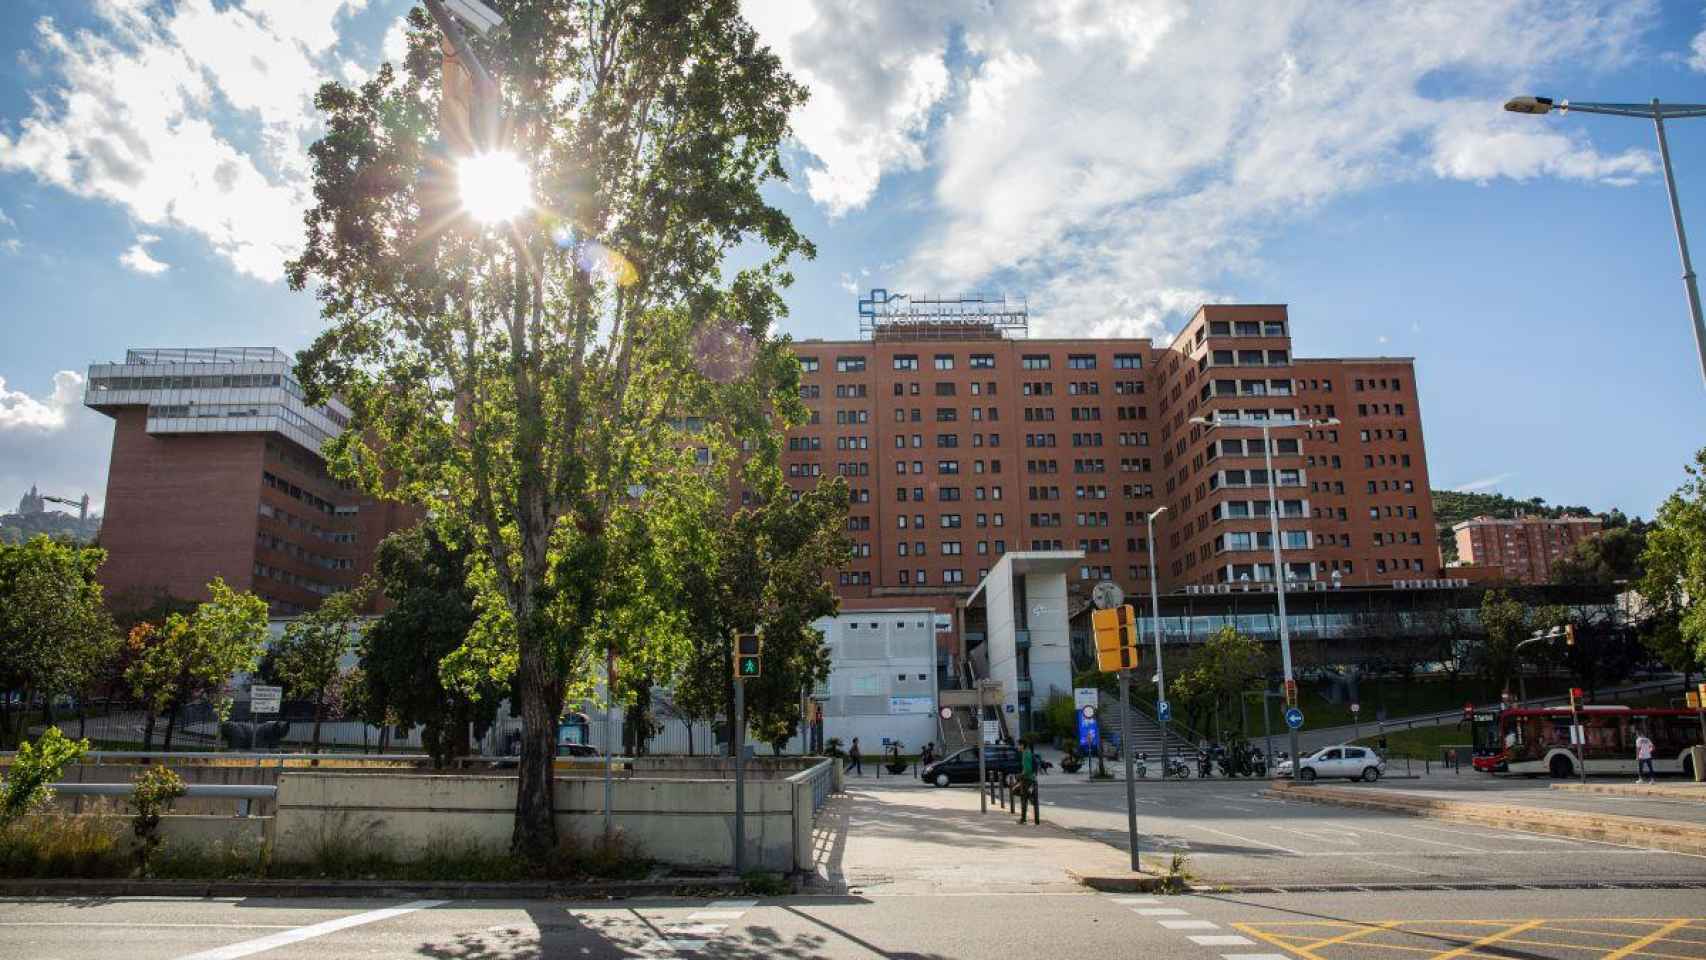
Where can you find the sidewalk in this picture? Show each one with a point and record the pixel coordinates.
(893, 838)
(1677, 790)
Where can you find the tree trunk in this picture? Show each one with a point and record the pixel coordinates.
(314, 745)
(689, 725)
(535, 833)
(171, 727)
(148, 730)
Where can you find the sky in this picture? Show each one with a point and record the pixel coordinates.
(1115, 162)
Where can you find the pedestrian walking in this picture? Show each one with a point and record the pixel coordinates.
(1644, 759)
(1028, 784)
(854, 762)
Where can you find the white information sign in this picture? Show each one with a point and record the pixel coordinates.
(991, 731)
(1084, 697)
(265, 699)
(905, 705)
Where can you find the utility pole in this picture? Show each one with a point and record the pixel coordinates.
(748, 664)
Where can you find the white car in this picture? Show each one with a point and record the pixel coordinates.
(1344, 760)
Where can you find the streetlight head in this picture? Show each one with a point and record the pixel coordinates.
(474, 15)
(1158, 511)
(1529, 105)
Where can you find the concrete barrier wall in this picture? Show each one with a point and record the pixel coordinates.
(674, 820)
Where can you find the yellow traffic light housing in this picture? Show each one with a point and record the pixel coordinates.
(749, 648)
(1569, 634)
(1117, 647)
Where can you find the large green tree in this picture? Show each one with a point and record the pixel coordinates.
(1673, 582)
(308, 659)
(55, 634)
(432, 611)
(1505, 622)
(190, 658)
(1219, 672)
(523, 376)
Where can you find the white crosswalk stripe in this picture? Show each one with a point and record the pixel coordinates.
(1189, 925)
(1222, 940)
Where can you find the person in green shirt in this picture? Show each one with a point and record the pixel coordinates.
(1028, 784)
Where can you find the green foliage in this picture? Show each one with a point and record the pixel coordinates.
(153, 794)
(1611, 557)
(1674, 579)
(1059, 718)
(764, 883)
(307, 658)
(1506, 623)
(190, 658)
(55, 634)
(1219, 671)
(531, 382)
(26, 784)
(432, 611)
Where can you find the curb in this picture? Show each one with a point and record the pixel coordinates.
(369, 889)
(1618, 790)
(1670, 835)
(1127, 883)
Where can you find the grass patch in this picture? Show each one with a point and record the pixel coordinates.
(763, 883)
(65, 845)
(1422, 743)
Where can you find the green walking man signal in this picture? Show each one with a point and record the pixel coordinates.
(748, 651)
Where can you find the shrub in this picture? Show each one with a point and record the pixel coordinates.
(27, 785)
(63, 845)
(152, 795)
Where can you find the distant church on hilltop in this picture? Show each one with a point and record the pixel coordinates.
(33, 518)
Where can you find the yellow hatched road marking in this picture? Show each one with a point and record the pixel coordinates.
(1490, 938)
(1308, 951)
(1648, 939)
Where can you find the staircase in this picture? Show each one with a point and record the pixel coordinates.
(1145, 730)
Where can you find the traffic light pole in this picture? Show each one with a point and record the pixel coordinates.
(739, 737)
(1130, 784)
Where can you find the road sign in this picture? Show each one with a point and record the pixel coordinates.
(1085, 697)
(1088, 713)
(991, 731)
(1010, 708)
(748, 655)
(1089, 734)
(1116, 638)
(1356, 708)
(1107, 594)
(947, 713)
(263, 699)
(1294, 718)
(1164, 711)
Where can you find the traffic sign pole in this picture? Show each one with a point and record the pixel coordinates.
(1130, 784)
(740, 773)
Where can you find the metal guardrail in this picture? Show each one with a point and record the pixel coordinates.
(244, 794)
(822, 779)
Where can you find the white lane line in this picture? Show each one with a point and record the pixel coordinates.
(716, 915)
(1437, 843)
(251, 947)
(1161, 912)
(1259, 843)
(1135, 901)
(1188, 924)
(1395, 866)
(1222, 940)
(1254, 956)
(725, 904)
(145, 925)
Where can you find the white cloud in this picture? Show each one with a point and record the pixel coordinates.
(1485, 483)
(1119, 158)
(1697, 52)
(12, 245)
(848, 284)
(138, 258)
(21, 412)
(6, 221)
(129, 117)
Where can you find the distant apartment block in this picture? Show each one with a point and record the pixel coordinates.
(1525, 548)
(216, 471)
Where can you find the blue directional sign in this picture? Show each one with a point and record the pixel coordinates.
(1294, 718)
(1164, 711)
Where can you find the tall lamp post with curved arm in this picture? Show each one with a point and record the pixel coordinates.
(1274, 533)
(1658, 113)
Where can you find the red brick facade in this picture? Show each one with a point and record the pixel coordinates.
(1526, 548)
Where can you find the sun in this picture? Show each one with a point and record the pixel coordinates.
(494, 186)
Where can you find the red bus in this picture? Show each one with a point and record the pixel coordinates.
(1535, 741)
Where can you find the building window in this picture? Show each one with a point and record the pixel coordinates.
(906, 362)
(944, 361)
(1128, 361)
(1033, 361)
(983, 361)
(808, 364)
(849, 364)
(1081, 361)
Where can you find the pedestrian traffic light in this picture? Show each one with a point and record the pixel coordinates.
(748, 650)
(1116, 638)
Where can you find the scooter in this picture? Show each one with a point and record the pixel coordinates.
(1205, 765)
(1177, 769)
(1143, 766)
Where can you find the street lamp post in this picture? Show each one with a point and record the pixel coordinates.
(1160, 670)
(1658, 113)
(1274, 535)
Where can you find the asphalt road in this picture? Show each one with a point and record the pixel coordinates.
(1520, 925)
(1233, 834)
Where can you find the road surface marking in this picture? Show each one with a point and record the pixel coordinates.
(1222, 940)
(1493, 938)
(1162, 912)
(1189, 924)
(694, 929)
(299, 934)
(1637, 945)
(1307, 951)
(716, 915)
(1259, 843)
(147, 925)
(725, 904)
(1254, 956)
(1135, 901)
(1394, 866)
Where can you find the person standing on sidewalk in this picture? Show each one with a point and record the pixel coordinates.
(1643, 758)
(854, 762)
(1028, 784)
